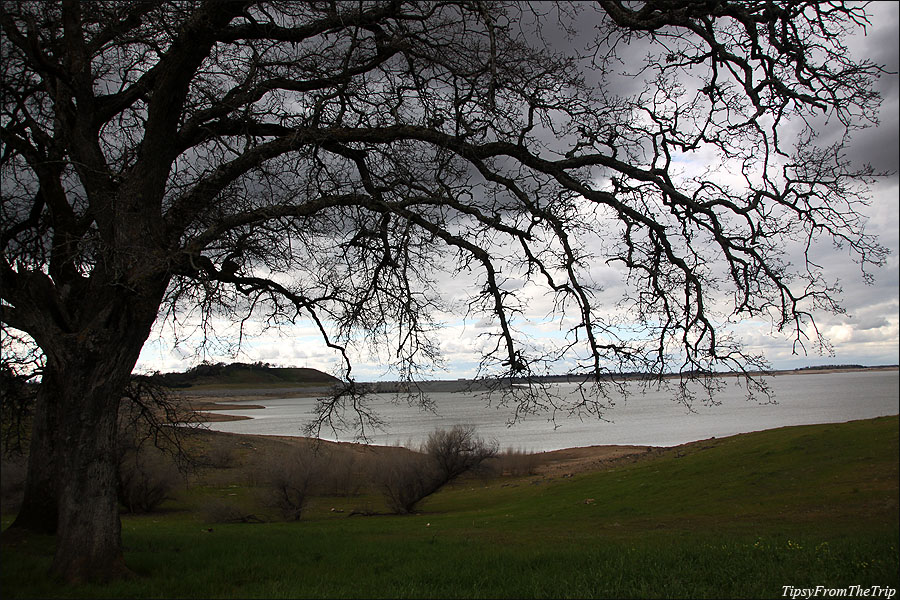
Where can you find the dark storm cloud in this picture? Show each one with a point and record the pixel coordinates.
(878, 145)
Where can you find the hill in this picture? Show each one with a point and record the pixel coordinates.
(221, 374)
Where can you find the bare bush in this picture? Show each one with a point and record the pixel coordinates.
(289, 477)
(457, 450)
(146, 478)
(220, 455)
(515, 462)
(405, 478)
(408, 478)
(339, 473)
(151, 455)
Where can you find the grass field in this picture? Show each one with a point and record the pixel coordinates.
(734, 517)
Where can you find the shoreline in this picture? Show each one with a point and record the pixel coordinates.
(547, 464)
(210, 405)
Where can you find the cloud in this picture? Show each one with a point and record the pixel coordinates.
(878, 145)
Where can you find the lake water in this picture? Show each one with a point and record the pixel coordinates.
(650, 418)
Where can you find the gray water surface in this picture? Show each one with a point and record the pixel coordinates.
(650, 418)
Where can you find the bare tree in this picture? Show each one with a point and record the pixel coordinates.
(457, 450)
(317, 160)
(407, 478)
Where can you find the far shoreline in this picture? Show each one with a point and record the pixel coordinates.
(212, 397)
(210, 403)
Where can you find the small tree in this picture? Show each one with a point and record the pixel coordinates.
(409, 478)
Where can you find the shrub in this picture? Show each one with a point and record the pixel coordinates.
(515, 463)
(339, 473)
(146, 477)
(405, 478)
(220, 455)
(151, 456)
(289, 477)
(409, 477)
(457, 450)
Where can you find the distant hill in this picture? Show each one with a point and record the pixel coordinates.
(209, 374)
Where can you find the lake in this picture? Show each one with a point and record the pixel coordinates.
(651, 418)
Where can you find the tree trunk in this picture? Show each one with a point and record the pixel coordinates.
(39, 507)
(94, 366)
(71, 485)
(89, 541)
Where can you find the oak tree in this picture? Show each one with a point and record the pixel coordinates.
(321, 160)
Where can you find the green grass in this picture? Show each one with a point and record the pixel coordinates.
(735, 517)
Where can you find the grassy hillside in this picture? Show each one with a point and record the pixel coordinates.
(734, 517)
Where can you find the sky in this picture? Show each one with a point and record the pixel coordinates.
(866, 334)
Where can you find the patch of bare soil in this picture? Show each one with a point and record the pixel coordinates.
(570, 461)
(549, 465)
(556, 463)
